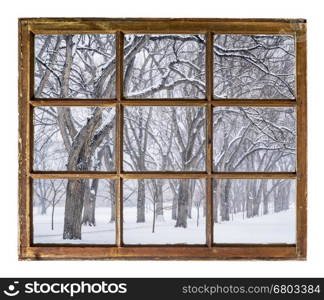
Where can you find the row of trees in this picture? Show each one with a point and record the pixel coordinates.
(247, 198)
(251, 198)
(161, 199)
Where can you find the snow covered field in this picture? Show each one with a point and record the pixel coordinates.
(134, 233)
(102, 233)
(165, 232)
(274, 228)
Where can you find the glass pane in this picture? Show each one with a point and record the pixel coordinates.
(164, 211)
(74, 211)
(254, 66)
(254, 139)
(164, 138)
(75, 66)
(74, 138)
(258, 211)
(164, 66)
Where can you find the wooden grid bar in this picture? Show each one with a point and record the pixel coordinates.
(301, 73)
(162, 253)
(67, 175)
(119, 137)
(29, 27)
(23, 143)
(209, 139)
(163, 175)
(75, 102)
(163, 102)
(163, 25)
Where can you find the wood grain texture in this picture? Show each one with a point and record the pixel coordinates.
(23, 141)
(81, 25)
(119, 137)
(162, 253)
(209, 135)
(301, 141)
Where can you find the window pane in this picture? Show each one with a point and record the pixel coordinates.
(164, 66)
(254, 139)
(164, 211)
(254, 211)
(75, 66)
(254, 66)
(74, 211)
(164, 138)
(74, 138)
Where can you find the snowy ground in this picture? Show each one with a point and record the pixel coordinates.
(275, 228)
(165, 232)
(134, 233)
(102, 233)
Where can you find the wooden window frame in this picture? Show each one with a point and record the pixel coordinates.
(29, 27)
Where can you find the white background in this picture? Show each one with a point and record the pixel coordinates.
(12, 9)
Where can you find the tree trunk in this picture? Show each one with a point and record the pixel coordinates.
(249, 200)
(257, 197)
(79, 160)
(174, 201)
(73, 209)
(277, 200)
(52, 216)
(225, 205)
(43, 206)
(154, 213)
(67, 66)
(192, 185)
(265, 200)
(44, 80)
(75, 189)
(90, 203)
(217, 199)
(182, 204)
(112, 188)
(141, 202)
(286, 188)
(42, 197)
(158, 185)
(109, 162)
(197, 215)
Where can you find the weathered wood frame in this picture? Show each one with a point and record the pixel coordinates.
(29, 27)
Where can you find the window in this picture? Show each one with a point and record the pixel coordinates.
(162, 139)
